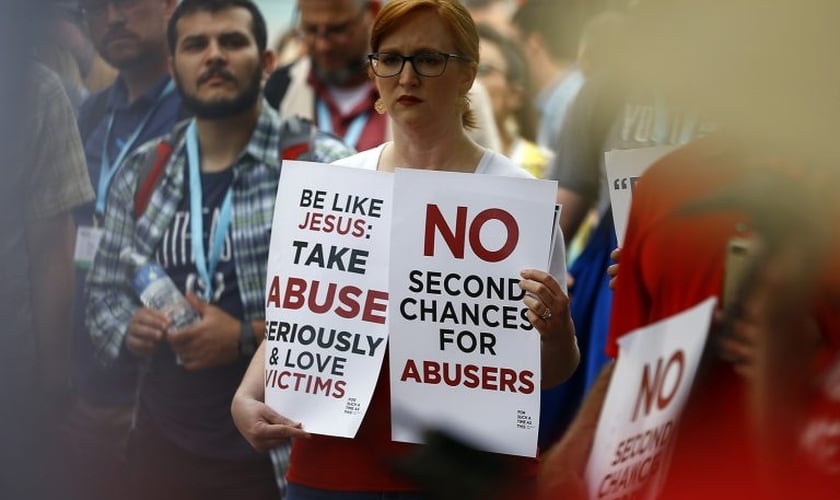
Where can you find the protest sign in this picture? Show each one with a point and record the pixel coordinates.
(326, 294)
(463, 356)
(624, 167)
(648, 389)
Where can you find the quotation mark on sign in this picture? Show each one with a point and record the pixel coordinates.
(624, 183)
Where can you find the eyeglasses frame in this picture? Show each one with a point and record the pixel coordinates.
(331, 33)
(120, 5)
(374, 56)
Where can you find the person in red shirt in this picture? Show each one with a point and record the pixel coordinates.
(671, 260)
(775, 132)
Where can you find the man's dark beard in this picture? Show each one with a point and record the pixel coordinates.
(140, 64)
(216, 110)
(352, 71)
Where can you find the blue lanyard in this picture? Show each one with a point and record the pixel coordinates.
(354, 131)
(197, 217)
(108, 168)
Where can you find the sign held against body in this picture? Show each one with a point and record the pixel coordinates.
(463, 355)
(624, 168)
(648, 390)
(326, 294)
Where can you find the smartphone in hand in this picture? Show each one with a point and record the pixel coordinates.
(740, 255)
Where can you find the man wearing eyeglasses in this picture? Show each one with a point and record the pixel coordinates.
(140, 105)
(330, 86)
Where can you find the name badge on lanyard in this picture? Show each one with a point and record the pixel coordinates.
(205, 262)
(87, 243)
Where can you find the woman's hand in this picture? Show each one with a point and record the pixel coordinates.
(548, 311)
(612, 271)
(261, 426)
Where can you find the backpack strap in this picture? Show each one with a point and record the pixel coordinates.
(148, 177)
(297, 137)
(150, 171)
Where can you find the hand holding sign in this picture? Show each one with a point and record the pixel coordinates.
(612, 271)
(548, 311)
(262, 427)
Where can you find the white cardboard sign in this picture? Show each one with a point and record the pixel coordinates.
(624, 167)
(463, 356)
(326, 294)
(649, 387)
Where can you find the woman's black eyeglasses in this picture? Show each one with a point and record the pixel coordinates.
(428, 64)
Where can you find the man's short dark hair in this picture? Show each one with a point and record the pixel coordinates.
(186, 7)
(558, 22)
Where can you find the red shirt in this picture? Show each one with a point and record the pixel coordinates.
(671, 261)
(360, 464)
(818, 456)
(818, 460)
(366, 463)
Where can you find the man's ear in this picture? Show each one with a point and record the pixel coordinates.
(269, 62)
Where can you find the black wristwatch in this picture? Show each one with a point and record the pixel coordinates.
(247, 340)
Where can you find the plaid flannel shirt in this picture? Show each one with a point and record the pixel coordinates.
(110, 300)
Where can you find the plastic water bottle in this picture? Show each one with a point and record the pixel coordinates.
(157, 290)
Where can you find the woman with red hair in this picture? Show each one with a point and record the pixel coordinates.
(424, 61)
